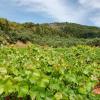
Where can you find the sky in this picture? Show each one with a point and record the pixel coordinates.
(86, 12)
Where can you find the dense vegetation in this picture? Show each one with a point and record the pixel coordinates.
(31, 68)
(45, 73)
(54, 34)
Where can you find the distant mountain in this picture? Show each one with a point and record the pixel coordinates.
(52, 34)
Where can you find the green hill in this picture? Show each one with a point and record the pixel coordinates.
(51, 34)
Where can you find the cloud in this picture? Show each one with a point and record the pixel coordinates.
(52, 7)
(76, 11)
(96, 20)
(92, 4)
(60, 10)
(92, 8)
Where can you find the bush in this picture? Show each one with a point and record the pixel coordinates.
(24, 37)
(94, 42)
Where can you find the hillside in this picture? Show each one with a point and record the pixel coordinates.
(51, 34)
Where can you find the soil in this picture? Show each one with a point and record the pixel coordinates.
(96, 89)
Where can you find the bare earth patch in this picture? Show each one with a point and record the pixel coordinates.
(96, 89)
(21, 44)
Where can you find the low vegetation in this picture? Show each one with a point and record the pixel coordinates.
(45, 73)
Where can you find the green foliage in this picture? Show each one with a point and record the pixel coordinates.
(94, 42)
(44, 73)
(24, 37)
(54, 34)
(4, 25)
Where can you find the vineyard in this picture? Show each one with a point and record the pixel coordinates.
(46, 73)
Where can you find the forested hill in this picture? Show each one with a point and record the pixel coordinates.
(53, 34)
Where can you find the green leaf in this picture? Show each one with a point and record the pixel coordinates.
(33, 94)
(23, 89)
(43, 82)
(58, 96)
(3, 70)
(8, 87)
(1, 89)
(82, 90)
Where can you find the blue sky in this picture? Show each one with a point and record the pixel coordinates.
(42, 11)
